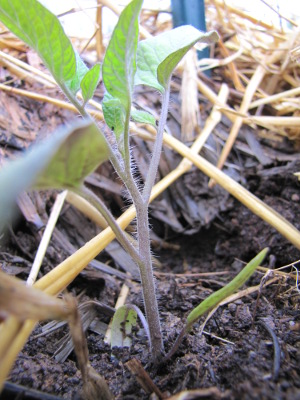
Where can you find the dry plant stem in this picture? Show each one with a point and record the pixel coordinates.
(275, 97)
(99, 32)
(23, 302)
(274, 121)
(250, 91)
(13, 337)
(36, 73)
(46, 238)
(94, 386)
(231, 67)
(143, 378)
(234, 10)
(39, 97)
(23, 74)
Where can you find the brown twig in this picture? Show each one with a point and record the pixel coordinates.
(143, 378)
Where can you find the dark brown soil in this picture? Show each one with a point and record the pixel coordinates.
(235, 356)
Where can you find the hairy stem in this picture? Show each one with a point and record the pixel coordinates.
(143, 257)
(124, 172)
(144, 263)
(127, 140)
(150, 180)
(148, 284)
(143, 230)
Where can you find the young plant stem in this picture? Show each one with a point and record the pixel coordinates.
(148, 284)
(143, 231)
(145, 268)
(87, 194)
(76, 103)
(143, 257)
(127, 156)
(126, 176)
(145, 261)
(150, 180)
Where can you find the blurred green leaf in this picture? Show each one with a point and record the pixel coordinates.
(82, 151)
(61, 161)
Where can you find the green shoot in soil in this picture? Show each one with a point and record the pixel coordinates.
(217, 297)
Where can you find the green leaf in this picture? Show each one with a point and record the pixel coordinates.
(123, 321)
(158, 56)
(41, 30)
(90, 82)
(215, 298)
(114, 114)
(81, 152)
(119, 64)
(61, 161)
(143, 117)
